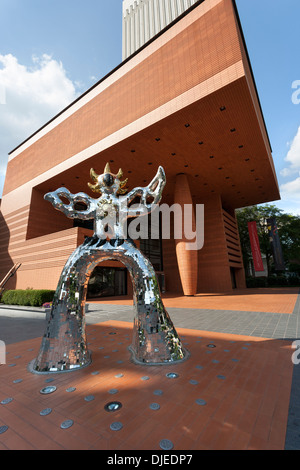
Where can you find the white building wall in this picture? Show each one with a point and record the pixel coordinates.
(143, 19)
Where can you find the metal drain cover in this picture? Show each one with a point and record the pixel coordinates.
(89, 398)
(47, 390)
(113, 406)
(6, 401)
(200, 402)
(154, 406)
(116, 426)
(67, 424)
(165, 444)
(3, 429)
(45, 412)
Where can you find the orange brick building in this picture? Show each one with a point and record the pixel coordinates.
(185, 100)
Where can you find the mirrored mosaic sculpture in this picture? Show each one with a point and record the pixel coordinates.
(155, 340)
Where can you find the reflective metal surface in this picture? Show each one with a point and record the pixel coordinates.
(155, 340)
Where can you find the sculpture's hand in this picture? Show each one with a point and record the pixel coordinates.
(150, 196)
(69, 209)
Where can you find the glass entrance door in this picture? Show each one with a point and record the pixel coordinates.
(107, 282)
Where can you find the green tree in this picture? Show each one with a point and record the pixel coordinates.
(288, 229)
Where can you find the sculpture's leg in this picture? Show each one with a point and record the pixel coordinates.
(155, 339)
(64, 343)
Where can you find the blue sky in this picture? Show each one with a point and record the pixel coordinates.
(68, 45)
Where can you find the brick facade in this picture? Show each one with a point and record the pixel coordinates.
(186, 101)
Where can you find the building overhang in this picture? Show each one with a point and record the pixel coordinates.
(206, 123)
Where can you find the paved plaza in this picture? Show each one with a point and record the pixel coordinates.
(238, 390)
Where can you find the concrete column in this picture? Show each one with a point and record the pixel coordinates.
(187, 259)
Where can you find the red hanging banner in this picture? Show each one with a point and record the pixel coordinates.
(255, 247)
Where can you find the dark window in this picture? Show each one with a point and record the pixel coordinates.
(107, 282)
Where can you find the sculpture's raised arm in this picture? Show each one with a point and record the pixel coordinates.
(69, 209)
(150, 195)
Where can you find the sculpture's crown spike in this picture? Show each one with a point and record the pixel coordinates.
(120, 174)
(94, 175)
(107, 168)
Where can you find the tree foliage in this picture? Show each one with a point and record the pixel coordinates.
(288, 229)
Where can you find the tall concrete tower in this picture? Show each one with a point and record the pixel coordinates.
(143, 19)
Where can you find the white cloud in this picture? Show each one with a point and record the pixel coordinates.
(29, 97)
(293, 156)
(286, 172)
(290, 190)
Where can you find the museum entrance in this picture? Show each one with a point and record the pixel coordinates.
(107, 282)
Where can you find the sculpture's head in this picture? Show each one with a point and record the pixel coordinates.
(108, 183)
